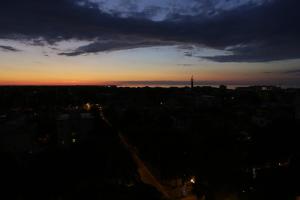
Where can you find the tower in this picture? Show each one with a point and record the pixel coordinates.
(192, 82)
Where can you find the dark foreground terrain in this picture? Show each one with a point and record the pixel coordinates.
(208, 143)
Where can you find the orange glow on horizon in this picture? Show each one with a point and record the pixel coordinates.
(46, 83)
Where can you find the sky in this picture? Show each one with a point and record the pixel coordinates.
(96, 42)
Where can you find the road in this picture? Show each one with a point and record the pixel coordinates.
(146, 176)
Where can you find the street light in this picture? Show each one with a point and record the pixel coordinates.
(193, 180)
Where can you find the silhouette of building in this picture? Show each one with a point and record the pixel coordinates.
(71, 128)
(297, 105)
(192, 82)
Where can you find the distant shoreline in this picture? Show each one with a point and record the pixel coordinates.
(158, 86)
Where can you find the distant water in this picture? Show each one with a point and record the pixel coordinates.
(176, 85)
(135, 85)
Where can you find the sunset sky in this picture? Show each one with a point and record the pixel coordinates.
(91, 42)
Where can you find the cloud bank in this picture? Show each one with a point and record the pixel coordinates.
(254, 31)
(8, 48)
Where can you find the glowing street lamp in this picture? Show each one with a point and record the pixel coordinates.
(87, 106)
(193, 180)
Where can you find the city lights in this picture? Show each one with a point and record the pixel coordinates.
(193, 180)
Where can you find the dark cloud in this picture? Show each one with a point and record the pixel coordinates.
(296, 71)
(115, 45)
(253, 33)
(158, 10)
(272, 51)
(292, 72)
(51, 20)
(188, 54)
(8, 48)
